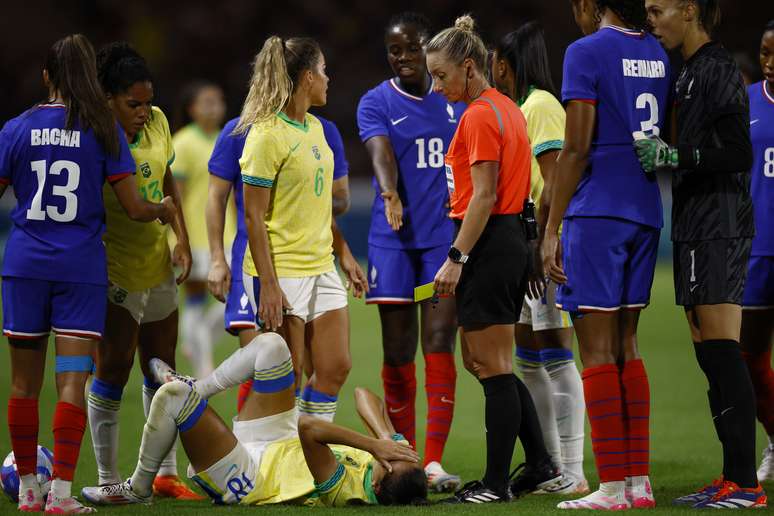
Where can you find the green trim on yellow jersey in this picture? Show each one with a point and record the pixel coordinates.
(298, 125)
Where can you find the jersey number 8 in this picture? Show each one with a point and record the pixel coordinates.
(768, 162)
(35, 211)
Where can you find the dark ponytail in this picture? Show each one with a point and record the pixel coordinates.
(72, 71)
(709, 14)
(525, 52)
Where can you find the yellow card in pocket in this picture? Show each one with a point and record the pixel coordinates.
(423, 292)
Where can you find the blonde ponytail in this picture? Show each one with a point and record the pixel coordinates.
(276, 70)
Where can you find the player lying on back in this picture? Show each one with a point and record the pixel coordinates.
(270, 456)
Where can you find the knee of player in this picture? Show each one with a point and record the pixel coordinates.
(439, 339)
(270, 349)
(170, 392)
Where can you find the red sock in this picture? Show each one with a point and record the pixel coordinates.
(636, 394)
(23, 427)
(762, 377)
(69, 424)
(244, 390)
(440, 380)
(400, 391)
(602, 390)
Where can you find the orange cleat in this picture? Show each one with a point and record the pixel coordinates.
(170, 486)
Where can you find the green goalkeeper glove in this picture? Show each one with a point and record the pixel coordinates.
(654, 154)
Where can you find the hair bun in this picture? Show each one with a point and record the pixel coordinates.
(465, 23)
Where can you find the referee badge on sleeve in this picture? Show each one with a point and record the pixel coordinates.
(449, 177)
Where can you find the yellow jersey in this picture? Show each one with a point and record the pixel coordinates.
(294, 160)
(545, 128)
(137, 252)
(284, 477)
(193, 148)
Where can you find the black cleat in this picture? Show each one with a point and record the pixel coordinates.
(476, 492)
(545, 476)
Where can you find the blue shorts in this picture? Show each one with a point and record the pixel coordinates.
(32, 308)
(394, 273)
(609, 264)
(759, 287)
(239, 313)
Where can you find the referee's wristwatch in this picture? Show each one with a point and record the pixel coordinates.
(457, 256)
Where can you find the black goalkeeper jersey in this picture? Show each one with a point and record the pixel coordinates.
(710, 98)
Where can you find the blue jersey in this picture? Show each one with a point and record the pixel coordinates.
(57, 177)
(224, 163)
(626, 75)
(420, 130)
(762, 184)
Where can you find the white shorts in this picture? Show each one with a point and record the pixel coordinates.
(149, 305)
(309, 297)
(542, 314)
(235, 475)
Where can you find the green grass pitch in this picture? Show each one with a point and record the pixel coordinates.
(685, 453)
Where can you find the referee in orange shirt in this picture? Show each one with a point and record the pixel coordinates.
(488, 174)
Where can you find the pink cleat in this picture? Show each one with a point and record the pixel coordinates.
(70, 505)
(639, 494)
(31, 500)
(597, 501)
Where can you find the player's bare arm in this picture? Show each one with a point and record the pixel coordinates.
(341, 198)
(386, 172)
(139, 209)
(219, 277)
(181, 254)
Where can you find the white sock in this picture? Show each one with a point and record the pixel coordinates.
(638, 483)
(241, 364)
(169, 464)
(61, 488)
(103, 404)
(215, 313)
(570, 412)
(190, 330)
(28, 482)
(617, 489)
(160, 432)
(538, 382)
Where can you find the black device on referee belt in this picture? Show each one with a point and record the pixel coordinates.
(528, 219)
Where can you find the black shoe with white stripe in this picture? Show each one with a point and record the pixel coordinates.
(545, 476)
(477, 492)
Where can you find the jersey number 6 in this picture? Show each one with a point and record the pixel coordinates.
(35, 211)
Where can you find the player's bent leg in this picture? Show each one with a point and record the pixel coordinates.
(273, 388)
(400, 331)
(756, 341)
(439, 332)
(28, 359)
(329, 338)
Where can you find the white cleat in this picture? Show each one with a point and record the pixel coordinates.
(766, 469)
(439, 480)
(163, 373)
(597, 501)
(639, 494)
(70, 505)
(574, 486)
(114, 494)
(31, 499)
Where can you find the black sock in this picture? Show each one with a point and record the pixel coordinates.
(713, 395)
(503, 419)
(530, 432)
(737, 408)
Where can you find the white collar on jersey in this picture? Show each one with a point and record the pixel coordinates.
(628, 32)
(394, 84)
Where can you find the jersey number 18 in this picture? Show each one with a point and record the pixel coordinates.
(36, 211)
(429, 153)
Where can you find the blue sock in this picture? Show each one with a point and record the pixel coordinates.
(318, 404)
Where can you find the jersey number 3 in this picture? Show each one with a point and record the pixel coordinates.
(650, 126)
(36, 211)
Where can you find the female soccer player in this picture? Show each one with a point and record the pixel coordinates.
(271, 456)
(615, 88)
(203, 109)
(225, 175)
(544, 333)
(287, 168)
(142, 308)
(758, 300)
(712, 229)
(57, 155)
(407, 128)
(488, 174)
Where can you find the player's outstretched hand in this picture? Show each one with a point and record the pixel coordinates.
(551, 250)
(219, 280)
(356, 278)
(393, 209)
(170, 210)
(385, 450)
(447, 278)
(654, 153)
(181, 257)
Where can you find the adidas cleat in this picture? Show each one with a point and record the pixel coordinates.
(731, 496)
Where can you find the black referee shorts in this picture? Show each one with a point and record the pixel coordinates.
(711, 272)
(494, 280)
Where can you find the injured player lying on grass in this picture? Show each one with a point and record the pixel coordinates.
(271, 456)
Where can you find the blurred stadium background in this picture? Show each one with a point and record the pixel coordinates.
(190, 40)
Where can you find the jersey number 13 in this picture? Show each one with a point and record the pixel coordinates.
(36, 211)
